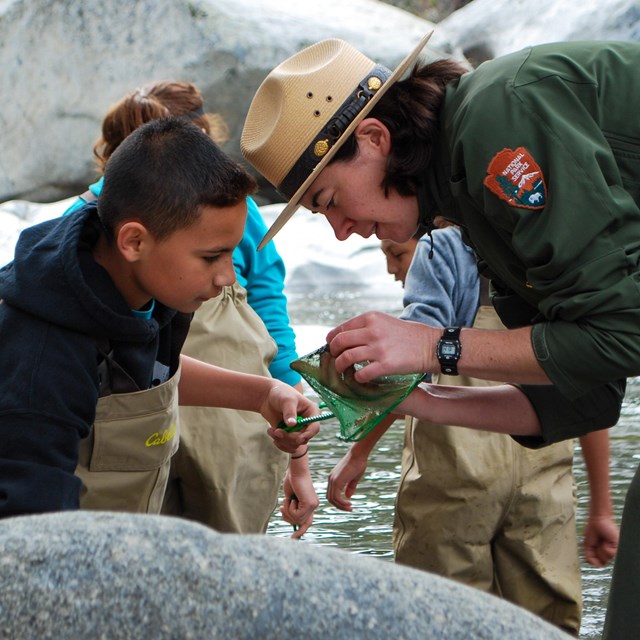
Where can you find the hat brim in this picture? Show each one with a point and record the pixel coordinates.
(294, 202)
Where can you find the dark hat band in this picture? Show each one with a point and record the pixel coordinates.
(333, 130)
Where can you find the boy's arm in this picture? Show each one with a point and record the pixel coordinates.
(206, 385)
(601, 533)
(38, 457)
(344, 478)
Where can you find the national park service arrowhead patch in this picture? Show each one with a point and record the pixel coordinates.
(515, 177)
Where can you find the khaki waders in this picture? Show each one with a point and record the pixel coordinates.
(227, 472)
(124, 462)
(481, 509)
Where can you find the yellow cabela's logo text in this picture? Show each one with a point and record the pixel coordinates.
(156, 438)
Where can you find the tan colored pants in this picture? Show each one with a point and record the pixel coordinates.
(124, 462)
(479, 508)
(227, 472)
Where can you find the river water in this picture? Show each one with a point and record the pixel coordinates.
(316, 307)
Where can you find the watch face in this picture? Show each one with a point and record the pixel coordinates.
(448, 349)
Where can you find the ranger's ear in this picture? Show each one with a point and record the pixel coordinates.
(372, 131)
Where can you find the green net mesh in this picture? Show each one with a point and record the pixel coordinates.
(358, 407)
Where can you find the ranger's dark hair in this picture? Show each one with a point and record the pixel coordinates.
(162, 175)
(410, 110)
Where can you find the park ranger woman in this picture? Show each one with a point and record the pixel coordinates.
(536, 156)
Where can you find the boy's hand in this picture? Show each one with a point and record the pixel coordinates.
(284, 403)
(290, 442)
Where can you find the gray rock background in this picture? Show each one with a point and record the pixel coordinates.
(485, 29)
(64, 62)
(88, 575)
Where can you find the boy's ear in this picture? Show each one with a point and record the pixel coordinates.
(373, 132)
(131, 240)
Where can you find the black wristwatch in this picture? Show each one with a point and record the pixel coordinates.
(449, 350)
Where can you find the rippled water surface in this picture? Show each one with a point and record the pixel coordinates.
(367, 530)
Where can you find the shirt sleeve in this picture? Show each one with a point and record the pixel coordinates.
(47, 404)
(262, 274)
(563, 419)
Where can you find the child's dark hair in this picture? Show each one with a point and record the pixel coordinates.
(162, 175)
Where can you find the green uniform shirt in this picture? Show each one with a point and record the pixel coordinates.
(539, 162)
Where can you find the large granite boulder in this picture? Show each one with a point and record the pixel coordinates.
(64, 62)
(86, 575)
(485, 29)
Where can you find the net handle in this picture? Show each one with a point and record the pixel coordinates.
(302, 422)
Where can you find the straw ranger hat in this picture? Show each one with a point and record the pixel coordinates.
(304, 111)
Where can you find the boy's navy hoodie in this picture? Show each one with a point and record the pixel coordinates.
(59, 312)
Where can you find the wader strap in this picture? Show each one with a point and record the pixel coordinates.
(89, 196)
(113, 378)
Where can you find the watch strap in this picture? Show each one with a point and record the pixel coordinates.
(449, 350)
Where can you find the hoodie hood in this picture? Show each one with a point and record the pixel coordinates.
(54, 277)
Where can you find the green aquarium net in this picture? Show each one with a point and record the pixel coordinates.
(359, 407)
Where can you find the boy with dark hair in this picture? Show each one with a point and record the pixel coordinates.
(95, 308)
(226, 473)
